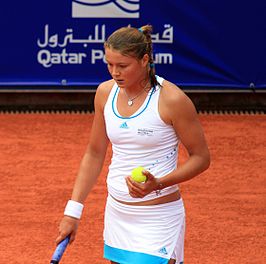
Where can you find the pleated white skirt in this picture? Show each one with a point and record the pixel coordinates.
(144, 234)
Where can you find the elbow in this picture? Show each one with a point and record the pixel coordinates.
(206, 160)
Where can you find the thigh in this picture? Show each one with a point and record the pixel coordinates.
(171, 261)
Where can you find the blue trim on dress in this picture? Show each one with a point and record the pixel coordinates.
(130, 117)
(129, 257)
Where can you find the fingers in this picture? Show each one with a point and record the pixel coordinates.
(58, 239)
(72, 237)
(61, 237)
(68, 226)
(134, 188)
(139, 190)
(148, 175)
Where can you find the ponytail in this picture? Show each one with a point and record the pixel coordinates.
(134, 42)
(146, 31)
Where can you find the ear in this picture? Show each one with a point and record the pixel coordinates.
(145, 60)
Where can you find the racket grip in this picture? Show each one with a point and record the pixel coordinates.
(59, 251)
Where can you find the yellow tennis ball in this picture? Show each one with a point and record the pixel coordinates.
(137, 175)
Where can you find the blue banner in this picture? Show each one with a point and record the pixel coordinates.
(202, 44)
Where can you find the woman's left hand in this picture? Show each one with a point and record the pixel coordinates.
(139, 190)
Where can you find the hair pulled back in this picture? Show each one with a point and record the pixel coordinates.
(136, 43)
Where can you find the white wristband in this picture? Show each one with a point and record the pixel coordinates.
(74, 209)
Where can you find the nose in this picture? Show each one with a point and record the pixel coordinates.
(115, 72)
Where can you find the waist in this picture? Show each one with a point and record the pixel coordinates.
(160, 200)
(119, 190)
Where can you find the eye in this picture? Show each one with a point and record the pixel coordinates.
(109, 66)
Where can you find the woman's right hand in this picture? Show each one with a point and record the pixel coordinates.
(68, 226)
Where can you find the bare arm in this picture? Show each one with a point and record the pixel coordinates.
(91, 163)
(188, 128)
(177, 110)
(94, 156)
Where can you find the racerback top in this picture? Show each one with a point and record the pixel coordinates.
(143, 139)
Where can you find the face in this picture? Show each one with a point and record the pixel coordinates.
(126, 71)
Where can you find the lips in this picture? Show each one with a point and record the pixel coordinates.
(119, 81)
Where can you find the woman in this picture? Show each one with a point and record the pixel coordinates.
(144, 117)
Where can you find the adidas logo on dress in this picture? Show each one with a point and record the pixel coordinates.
(163, 251)
(124, 125)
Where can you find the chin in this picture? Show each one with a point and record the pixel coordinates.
(120, 83)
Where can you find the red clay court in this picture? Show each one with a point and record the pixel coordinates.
(39, 158)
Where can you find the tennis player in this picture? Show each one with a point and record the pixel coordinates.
(145, 117)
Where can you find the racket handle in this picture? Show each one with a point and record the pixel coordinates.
(59, 251)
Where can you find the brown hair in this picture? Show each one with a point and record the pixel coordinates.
(136, 43)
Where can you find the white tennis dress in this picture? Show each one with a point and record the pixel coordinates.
(141, 234)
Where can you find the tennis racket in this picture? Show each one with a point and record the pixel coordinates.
(59, 251)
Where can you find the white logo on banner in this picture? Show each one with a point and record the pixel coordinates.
(106, 8)
(55, 47)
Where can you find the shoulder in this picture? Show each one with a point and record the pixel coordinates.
(174, 102)
(102, 92)
(104, 88)
(171, 93)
